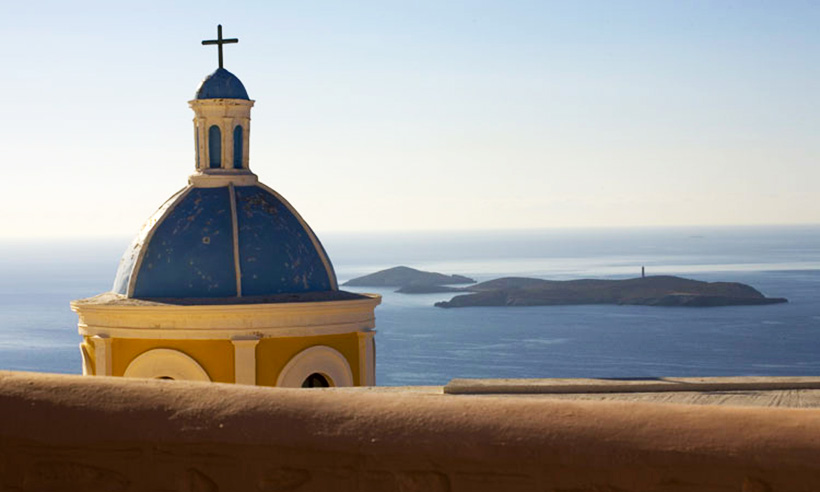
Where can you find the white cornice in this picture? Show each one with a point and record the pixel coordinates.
(235, 319)
(215, 180)
(223, 334)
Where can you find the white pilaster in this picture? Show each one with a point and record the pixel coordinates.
(367, 358)
(245, 360)
(102, 355)
(246, 143)
(227, 143)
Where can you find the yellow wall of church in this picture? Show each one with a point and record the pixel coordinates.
(272, 354)
(215, 356)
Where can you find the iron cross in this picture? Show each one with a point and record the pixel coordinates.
(219, 41)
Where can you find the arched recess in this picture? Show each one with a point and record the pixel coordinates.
(215, 147)
(237, 147)
(166, 364)
(319, 359)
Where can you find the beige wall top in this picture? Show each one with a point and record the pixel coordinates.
(144, 435)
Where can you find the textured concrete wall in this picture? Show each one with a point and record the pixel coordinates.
(65, 433)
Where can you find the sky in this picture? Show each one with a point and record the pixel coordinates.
(420, 115)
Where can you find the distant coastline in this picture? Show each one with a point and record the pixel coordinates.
(408, 278)
(663, 291)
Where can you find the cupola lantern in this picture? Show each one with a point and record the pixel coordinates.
(222, 118)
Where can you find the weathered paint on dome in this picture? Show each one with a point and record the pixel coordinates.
(222, 84)
(131, 256)
(188, 249)
(191, 251)
(276, 254)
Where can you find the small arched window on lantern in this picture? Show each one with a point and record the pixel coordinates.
(215, 147)
(237, 147)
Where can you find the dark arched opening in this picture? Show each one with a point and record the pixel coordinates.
(215, 146)
(316, 380)
(237, 147)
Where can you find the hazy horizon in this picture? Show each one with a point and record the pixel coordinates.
(781, 244)
(123, 237)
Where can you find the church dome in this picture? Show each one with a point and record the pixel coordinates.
(222, 84)
(226, 241)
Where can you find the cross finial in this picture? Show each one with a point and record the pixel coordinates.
(219, 41)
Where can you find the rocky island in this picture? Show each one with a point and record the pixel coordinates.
(646, 291)
(411, 281)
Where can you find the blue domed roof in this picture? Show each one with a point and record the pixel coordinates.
(222, 84)
(218, 242)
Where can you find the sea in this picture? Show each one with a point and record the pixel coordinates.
(419, 344)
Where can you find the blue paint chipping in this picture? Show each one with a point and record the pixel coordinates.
(276, 253)
(191, 251)
(222, 84)
(129, 258)
(215, 147)
(237, 147)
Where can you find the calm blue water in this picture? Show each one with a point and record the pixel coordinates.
(420, 344)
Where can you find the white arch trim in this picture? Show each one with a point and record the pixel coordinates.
(318, 359)
(166, 363)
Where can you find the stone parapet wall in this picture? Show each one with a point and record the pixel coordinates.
(66, 433)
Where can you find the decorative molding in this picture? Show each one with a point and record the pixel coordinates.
(166, 363)
(220, 334)
(321, 359)
(221, 107)
(120, 312)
